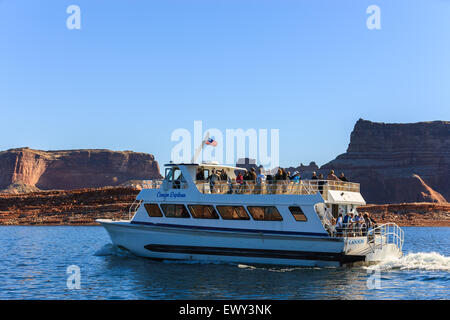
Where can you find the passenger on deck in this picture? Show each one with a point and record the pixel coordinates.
(314, 176)
(239, 178)
(343, 178)
(296, 178)
(332, 176)
(372, 221)
(279, 175)
(339, 225)
(239, 181)
(351, 225)
(251, 180)
(321, 183)
(200, 175)
(223, 175)
(285, 176)
(346, 220)
(260, 180)
(213, 179)
(367, 225)
(252, 174)
(357, 225)
(278, 181)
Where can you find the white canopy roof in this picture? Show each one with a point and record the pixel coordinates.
(345, 197)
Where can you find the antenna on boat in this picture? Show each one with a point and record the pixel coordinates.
(200, 148)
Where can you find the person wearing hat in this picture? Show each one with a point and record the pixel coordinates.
(297, 177)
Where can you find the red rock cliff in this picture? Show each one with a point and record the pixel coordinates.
(72, 169)
(398, 162)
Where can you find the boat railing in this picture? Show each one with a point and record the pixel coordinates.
(151, 184)
(377, 237)
(133, 208)
(304, 187)
(390, 233)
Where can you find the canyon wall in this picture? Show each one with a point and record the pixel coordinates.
(25, 170)
(398, 163)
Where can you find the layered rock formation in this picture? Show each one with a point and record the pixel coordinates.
(73, 207)
(26, 170)
(398, 163)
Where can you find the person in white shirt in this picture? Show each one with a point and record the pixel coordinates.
(339, 225)
(260, 180)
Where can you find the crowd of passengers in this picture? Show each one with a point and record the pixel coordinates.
(353, 224)
(282, 177)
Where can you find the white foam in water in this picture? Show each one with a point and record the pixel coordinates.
(244, 266)
(111, 250)
(431, 261)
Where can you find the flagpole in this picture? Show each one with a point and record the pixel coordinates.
(200, 148)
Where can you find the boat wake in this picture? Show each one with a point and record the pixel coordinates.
(112, 250)
(429, 261)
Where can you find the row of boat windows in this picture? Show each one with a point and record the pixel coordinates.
(264, 213)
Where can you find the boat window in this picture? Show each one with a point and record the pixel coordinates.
(177, 174)
(265, 213)
(205, 174)
(175, 210)
(168, 175)
(152, 210)
(203, 212)
(298, 214)
(233, 213)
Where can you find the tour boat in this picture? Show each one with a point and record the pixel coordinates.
(278, 223)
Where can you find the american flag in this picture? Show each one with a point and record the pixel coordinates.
(211, 142)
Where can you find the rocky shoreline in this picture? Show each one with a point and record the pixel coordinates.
(83, 206)
(66, 207)
(418, 214)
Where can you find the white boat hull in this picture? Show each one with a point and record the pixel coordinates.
(178, 243)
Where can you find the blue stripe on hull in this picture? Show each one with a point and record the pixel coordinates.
(258, 253)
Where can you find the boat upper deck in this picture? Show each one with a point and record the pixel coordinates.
(199, 176)
(303, 187)
(287, 187)
(182, 176)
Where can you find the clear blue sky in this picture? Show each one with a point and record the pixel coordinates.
(137, 70)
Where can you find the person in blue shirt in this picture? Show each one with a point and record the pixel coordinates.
(357, 223)
(296, 177)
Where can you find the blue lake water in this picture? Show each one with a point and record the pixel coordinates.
(34, 262)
